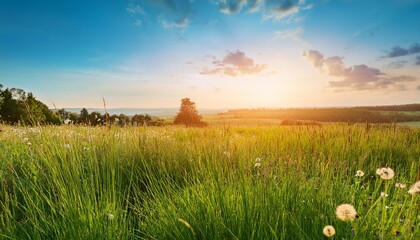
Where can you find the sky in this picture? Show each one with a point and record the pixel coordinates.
(219, 53)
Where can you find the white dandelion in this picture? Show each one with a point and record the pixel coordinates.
(385, 173)
(329, 231)
(110, 216)
(383, 194)
(257, 164)
(400, 185)
(359, 173)
(346, 212)
(415, 188)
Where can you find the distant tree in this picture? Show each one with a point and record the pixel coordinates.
(189, 115)
(84, 116)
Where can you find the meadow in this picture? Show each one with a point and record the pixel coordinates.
(220, 182)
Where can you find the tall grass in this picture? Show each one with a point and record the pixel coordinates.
(177, 183)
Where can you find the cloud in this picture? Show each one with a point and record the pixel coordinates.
(172, 13)
(278, 9)
(135, 9)
(137, 22)
(271, 9)
(179, 23)
(357, 77)
(294, 34)
(397, 64)
(231, 6)
(398, 51)
(234, 64)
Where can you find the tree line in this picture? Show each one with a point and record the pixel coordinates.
(19, 107)
(97, 119)
(354, 114)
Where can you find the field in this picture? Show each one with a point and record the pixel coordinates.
(220, 182)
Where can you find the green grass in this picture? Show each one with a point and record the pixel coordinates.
(178, 183)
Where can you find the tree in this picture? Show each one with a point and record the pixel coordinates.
(189, 115)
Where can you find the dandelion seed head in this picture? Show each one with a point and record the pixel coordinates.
(67, 145)
(383, 194)
(415, 188)
(257, 164)
(400, 185)
(346, 212)
(29, 143)
(385, 173)
(26, 139)
(258, 160)
(359, 173)
(329, 231)
(110, 216)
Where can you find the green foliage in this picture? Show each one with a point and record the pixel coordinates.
(69, 182)
(16, 106)
(188, 115)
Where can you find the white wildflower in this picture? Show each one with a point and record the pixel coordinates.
(383, 194)
(110, 216)
(385, 173)
(400, 185)
(415, 188)
(346, 212)
(329, 231)
(359, 173)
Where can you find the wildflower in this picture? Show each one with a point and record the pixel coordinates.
(400, 185)
(385, 173)
(29, 143)
(359, 173)
(383, 194)
(258, 160)
(86, 149)
(26, 139)
(346, 212)
(110, 216)
(67, 145)
(257, 164)
(329, 231)
(415, 188)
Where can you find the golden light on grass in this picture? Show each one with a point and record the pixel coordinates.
(346, 212)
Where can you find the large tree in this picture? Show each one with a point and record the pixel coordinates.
(188, 114)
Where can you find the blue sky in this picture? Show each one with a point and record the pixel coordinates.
(221, 53)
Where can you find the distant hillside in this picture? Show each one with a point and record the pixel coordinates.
(377, 114)
(158, 112)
